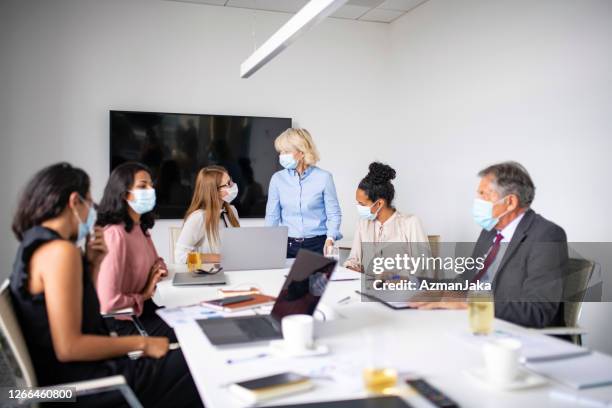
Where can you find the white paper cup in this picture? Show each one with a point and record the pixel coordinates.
(501, 358)
(298, 331)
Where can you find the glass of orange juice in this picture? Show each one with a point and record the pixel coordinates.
(481, 312)
(194, 261)
(379, 376)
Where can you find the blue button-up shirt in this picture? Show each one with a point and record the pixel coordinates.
(307, 204)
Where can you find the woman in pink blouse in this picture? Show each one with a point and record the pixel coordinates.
(132, 268)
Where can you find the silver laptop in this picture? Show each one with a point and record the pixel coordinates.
(248, 248)
(189, 278)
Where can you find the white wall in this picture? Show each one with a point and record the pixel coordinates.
(476, 82)
(65, 63)
(445, 90)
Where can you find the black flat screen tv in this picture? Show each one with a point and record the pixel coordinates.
(177, 145)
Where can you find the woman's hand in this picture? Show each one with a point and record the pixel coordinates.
(353, 267)
(96, 248)
(155, 347)
(329, 244)
(211, 258)
(155, 275)
(160, 265)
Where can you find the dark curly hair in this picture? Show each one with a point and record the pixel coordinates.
(46, 195)
(377, 183)
(113, 208)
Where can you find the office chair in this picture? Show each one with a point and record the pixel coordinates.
(19, 371)
(174, 233)
(579, 273)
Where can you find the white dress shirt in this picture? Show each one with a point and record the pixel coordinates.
(507, 234)
(398, 228)
(193, 235)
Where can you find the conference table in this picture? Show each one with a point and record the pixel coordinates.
(428, 344)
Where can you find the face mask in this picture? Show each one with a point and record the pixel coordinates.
(365, 214)
(287, 161)
(232, 193)
(87, 226)
(482, 212)
(144, 200)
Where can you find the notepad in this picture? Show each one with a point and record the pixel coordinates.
(265, 388)
(592, 370)
(254, 301)
(535, 347)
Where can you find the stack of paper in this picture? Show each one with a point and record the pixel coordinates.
(535, 347)
(593, 370)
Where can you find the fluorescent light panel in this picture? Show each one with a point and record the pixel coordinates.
(310, 15)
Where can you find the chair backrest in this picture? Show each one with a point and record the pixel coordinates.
(434, 244)
(579, 273)
(174, 233)
(12, 343)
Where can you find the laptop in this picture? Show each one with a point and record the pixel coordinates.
(189, 278)
(248, 248)
(300, 294)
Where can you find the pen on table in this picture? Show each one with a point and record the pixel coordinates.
(240, 360)
(344, 299)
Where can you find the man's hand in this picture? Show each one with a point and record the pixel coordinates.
(438, 305)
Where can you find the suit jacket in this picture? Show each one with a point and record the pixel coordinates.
(528, 284)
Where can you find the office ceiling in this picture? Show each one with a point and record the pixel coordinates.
(380, 11)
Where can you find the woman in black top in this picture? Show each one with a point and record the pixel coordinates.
(52, 287)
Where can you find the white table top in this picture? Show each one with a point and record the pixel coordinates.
(427, 343)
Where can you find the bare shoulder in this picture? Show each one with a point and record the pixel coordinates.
(56, 254)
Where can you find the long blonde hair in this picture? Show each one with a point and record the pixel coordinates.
(206, 197)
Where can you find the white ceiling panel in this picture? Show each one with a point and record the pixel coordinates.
(211, 2)
(287, 6)
(366, 3)
(381, 15)
(403, 5)
(351, 11)
(380, 11)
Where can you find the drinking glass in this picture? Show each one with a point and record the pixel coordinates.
(481, 312)
(194, 261)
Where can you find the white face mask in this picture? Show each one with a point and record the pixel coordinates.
(365, 212)
(232, 193)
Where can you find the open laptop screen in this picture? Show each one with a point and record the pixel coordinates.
(304, 285)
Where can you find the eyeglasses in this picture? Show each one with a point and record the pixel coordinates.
(216, 268)
(226, 185)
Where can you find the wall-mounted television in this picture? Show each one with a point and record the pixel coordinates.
(177, 145)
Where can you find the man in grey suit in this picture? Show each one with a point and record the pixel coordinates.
(525, 255)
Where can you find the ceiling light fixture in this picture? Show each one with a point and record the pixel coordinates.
(310, 15)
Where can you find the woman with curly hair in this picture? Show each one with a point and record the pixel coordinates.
(379, 221)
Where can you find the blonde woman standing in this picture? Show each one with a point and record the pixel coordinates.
(210, 209)
(302, 196)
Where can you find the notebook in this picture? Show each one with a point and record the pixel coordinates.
(392, 305)
(255, 300)
(265, 388)
(372, 402)
(592, 370)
